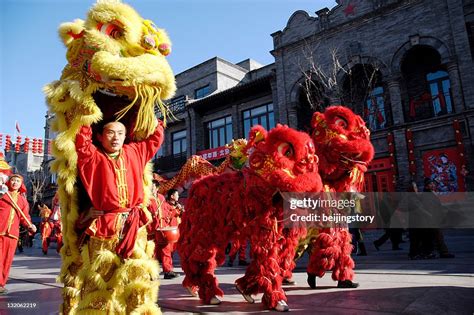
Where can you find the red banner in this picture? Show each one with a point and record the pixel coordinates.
(214, 154)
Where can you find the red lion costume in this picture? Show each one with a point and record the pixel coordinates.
(344, 149)
(246, 204)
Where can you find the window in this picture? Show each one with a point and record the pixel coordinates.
(262, 115)
(440, 89)
(220, 132)
(374, 113)
(179, 142)
(201, 92)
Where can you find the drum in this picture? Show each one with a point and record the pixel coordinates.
(169, 233)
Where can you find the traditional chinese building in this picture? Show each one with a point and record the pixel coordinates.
(216, 101)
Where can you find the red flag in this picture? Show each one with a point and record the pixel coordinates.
(17, 126)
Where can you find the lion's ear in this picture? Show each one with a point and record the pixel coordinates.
(164, 42)
(316, 119)
(256, 134)
(70, 31)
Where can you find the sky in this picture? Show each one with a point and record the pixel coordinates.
(31, 54)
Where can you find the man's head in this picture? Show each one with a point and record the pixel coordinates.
(112, 136)
(14, 182)
(155, 184)
(172, 195)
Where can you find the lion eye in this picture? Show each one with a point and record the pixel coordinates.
(286, 149)
(341, 122)
(111, 30)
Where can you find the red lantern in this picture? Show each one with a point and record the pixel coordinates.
(26, 146)
(8, 142)
(33, 148)
(40, 146)
(18, 144)
(50, 143)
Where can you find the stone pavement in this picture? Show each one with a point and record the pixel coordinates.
(389, 284)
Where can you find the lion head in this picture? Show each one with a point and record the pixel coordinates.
(284, 158)
(118, 58)
(343, 144)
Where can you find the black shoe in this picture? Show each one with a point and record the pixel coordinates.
(243, 263)
(447, 255)
(171, 275)
(347, 284)
(311, 281)
(288, 281)
(377, 246)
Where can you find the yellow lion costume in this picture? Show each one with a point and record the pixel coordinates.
(116, 70)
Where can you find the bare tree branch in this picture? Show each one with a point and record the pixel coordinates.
(332, 80)
(38, 184)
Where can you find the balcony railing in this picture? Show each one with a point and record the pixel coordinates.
(176, 106)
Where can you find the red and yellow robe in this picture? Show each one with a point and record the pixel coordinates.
(10, 221)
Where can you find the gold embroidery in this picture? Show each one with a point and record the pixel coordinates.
(14, 196)
(121, 181)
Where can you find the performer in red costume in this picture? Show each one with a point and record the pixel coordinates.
(168, 216)
(112, 177)
(14, 210)
(50, 226)
(343, 145)
(45, 227)
(55, 220)
(156, 202)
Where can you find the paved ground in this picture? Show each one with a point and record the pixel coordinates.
(390, 284)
